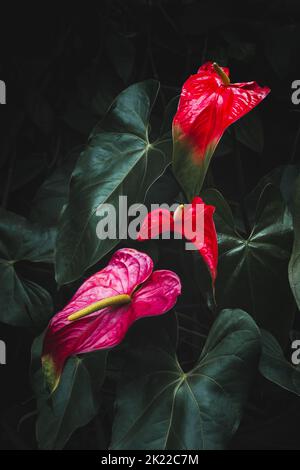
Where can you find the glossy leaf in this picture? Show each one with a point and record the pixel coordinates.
(248, 131)
(294, 265)
(275, 367)
(40, 111)
(73, 404)
(53, 194)
(22, 301)
(252, 272)
(117, 156)
(161, 407)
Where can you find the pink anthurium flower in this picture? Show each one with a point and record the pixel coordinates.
(208, 104)
(105, 306)
(184, 222)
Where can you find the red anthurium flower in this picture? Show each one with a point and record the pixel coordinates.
(184, 222)
(105, 306)
(208, 104)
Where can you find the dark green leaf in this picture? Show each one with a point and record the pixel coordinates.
(73, 404)
(23, 302)
(215, 198)
(238, 49)
(279, 46)
(249, 131)
(252, 272)
(40, 111)
(162, 407)
(200, 18)
(170, 111)
(294, 265)
(274, 366)
(119, 160)
(121, 54)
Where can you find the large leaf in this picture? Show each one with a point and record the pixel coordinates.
(162, 407)
(249, 131)
(24, 171)
(22, 301)
(275, 367)
(119, 160)
(53, 194)
(252, 272)
(283, 177)
(294, 265)
(73, 404)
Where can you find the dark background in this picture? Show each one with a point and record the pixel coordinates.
(63, 66)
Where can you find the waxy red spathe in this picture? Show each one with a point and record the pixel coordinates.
(182, 222)
(208, 104)
(105, 306)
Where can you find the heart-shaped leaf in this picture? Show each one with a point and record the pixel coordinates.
(119, 160)
(73, 404)
(275, 367)
(252, 272)
(121, 53)
(22, 301)
(53, 193)
(159, 406)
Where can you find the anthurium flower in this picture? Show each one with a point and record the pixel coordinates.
(105, 306)
(184, 222)
(208, 104)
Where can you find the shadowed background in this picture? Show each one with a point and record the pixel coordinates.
(63, 67)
